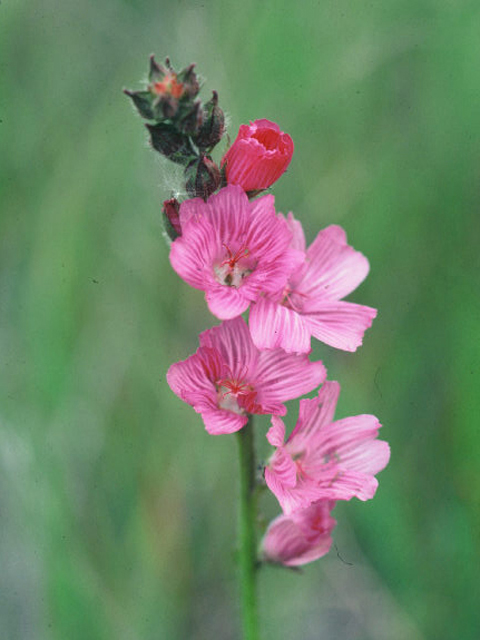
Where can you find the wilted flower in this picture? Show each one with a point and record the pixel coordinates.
(259, 156)
(302, 537)
(228, 378)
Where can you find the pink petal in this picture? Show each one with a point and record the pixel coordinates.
(258, 156)
(192, 208)
(315, 414)
(296, 542)
(334, 268)
(192, 254)
(298, 236)
(191, 384)
(271, 276)
(226, 302)
(232, 341)
(338, 324)
(282, 376)
(347, 485)
(227, 211)
(369, 457)
(316, 519)
(273, 326)
(281, 471)
(349, 449)
(269, 234)
(345, 434)
(293, 497)
(269, 238)
(276, 433)
(219, 421)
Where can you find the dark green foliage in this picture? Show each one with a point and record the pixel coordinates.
(170, 143)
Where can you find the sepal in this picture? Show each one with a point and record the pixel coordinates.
(202, 177)
(143, 101)
(213, 126)
(170, 143)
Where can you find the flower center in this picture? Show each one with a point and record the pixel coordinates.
(228, 392)
(268, 138)
(235, 266)
(168, 86)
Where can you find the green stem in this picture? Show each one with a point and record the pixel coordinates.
(247, 536)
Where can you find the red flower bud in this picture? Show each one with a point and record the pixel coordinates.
(259, 156)
(172, 220)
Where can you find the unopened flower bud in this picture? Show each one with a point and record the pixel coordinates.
(259, 156)
(169, 88)
(157, 71)
(189, 80)
(202, 177)
(170, 143)
(190, 121)
(211, 131)
(171, 218)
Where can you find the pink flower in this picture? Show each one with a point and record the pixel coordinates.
(310, 304)
(300, 538)
(324, 460)
(259, 155)
(233, 249)
(228, 378)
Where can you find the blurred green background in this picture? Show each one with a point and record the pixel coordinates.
(117, 510)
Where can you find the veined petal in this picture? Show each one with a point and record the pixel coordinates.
(369, 457)
(315, 414)
(276, 433)
(190, 382)
(347, 485)
(232, 341)
(282, 376)
(192, 254)
(345, 434)
(219, 421)
(281, 471)
(284, 543)
(335, 269)
(227, 211)
(274, 326)
(338, 324)
(298, 236)
(268, 235)
(273, 276)
(294, 497)
(301, 538)
(226, 302)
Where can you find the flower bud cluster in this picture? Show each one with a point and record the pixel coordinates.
(246, 256)
(182, 128)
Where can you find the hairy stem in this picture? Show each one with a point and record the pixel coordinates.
(247, 534)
